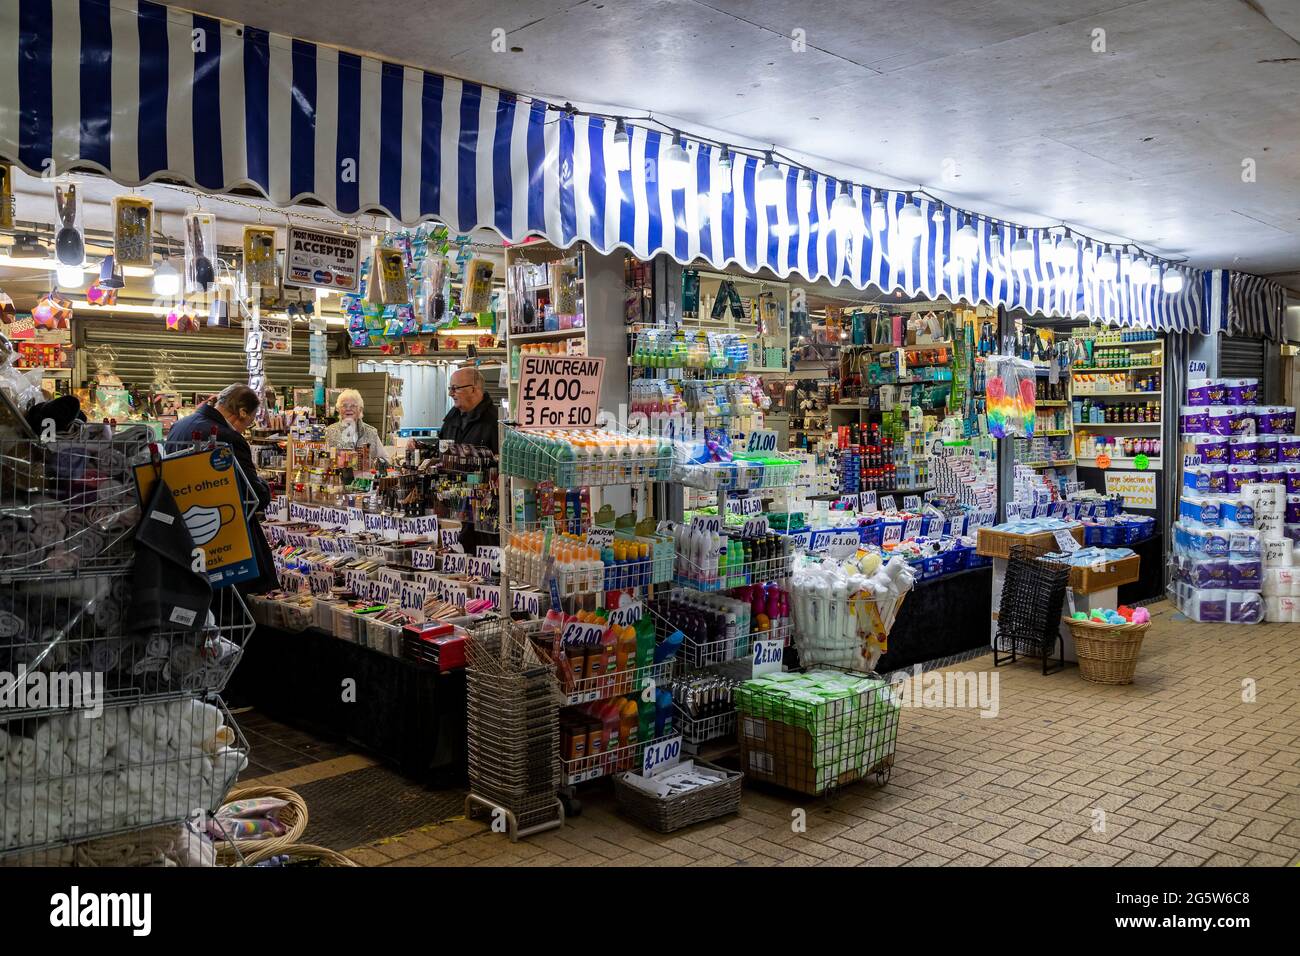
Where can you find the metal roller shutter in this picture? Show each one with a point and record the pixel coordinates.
(205, 361)
(1241, 357)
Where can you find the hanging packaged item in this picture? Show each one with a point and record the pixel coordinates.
(387, 284)
(200, 250)
(433, 294)
(53, 311)
(1010, 394)
(182, 318)
(69, 243)
(478, 286)
(133, 231)
(564, 288)
(259, 257)
(219, 309)
(6, 196)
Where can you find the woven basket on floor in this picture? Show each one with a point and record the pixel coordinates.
(299, 851)
(1108, 653)
(294, 816)
(682, 810)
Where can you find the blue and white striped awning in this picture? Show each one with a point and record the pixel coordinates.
(140, 92)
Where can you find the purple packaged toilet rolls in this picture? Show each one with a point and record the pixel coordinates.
(1195, 420)
(1239, 475)
(1272, 474)
(1244, 574)
(1292, 477)
(1288, 449)
(1266, 449)
(1218, 479)
(1241, 450)
(1272, 420)
(1198, 393)
(1217, 391)
(1245, 607)
(1213, 449)
(1292, 509)
(1218, 420)
(1241, 391)
(1241, 420)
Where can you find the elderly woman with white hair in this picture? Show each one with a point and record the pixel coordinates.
(351, 431)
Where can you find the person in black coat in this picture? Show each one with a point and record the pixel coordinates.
(474, 419)
(225, 419)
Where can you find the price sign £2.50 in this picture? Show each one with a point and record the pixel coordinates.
(559, 391)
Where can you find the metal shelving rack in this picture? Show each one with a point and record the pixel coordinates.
(164, 745)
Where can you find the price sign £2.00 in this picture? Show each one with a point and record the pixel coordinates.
(559, 391)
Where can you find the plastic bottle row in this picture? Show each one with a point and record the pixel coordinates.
(572, 459)
(711, 561)
(584, 568)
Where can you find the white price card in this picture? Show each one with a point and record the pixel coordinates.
(627, 615)
(356, 519)
(843, 544)
(392, 527)
(421, 526)
(413, 596)
(356, 580)
(600, 537)
(893, 534)
(750, 505)
(378, 592)
(321, 582)
(1065, 540)
(867, 502)
(755, 527)
(479, 568)
(374, 524)
(450, 538)
(455, 563)
(912, 503)
(424, 560)
(710, 523)
(849, 502)
(761, 441)
(576, 632)
(888, 505)
(392, 577)
(489, 551)
(661, 753)
(530, 602)
(767, 657)
(488, 592)
(913, 527)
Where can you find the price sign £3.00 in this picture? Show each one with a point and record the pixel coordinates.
(559, 391)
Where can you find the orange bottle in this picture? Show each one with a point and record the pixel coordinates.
(628, 728)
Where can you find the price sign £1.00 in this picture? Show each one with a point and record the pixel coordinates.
(559, 391)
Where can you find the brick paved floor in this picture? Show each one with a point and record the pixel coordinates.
(1185, 772)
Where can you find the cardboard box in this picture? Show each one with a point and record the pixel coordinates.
(1089, 580)
(784, 755)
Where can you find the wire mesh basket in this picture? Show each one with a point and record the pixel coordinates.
(718, 576)
(817, 731)
(68, 505)
(578, 458)
(72, 777)
(1029, 615)
(742, 473)
(698, 654)
(79, 631)
(513, 728)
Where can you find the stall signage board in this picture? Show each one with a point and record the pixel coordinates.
(842, 544)
(767, 657)
(1138, 488)
(559, 391)
(322, 260)
(277, 336)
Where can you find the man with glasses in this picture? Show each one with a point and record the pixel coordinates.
(474, 419)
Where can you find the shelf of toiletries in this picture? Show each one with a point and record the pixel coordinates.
(582, 566)
(578, 459)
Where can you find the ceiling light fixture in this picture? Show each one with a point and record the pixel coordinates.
(725, 166)
(166, 280)
(1173, 281)
(844, 211)
(879, 214)
(70, 276)
(620, 154)
(911, 223)
(1066, 254)
(1107, 268)
(769, 186)
(677, 164)
(967, 241)
(1022, 252)
(805, 188)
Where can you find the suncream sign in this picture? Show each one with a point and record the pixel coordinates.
(559, 391)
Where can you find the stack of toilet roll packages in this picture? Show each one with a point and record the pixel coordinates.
(1239, 510)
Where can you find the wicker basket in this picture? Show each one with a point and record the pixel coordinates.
(1108, 653)
(300, 851)
(684, 809)
(294, 816)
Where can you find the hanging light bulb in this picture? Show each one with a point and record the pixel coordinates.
(1140, 271)
(70, 277)
(1107, 267)
(879, 215)
(911, 223)
(1173, 281)
(1067, 251)
(769, 187)
(967, 241)
(844, 211)
(1022, 252)
(677, 164)
(725, 165)
(1125, 270)
(805, 189)
(166, 280)
(938, 216)
(620, 154)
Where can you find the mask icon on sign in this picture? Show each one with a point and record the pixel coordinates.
(204, 523)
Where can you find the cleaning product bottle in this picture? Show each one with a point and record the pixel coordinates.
(611, 717)
(663, 712)
(645, 642)
(629, 729)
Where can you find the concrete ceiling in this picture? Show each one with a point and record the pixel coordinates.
(998, 105)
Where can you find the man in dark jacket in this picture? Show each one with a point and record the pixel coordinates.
(474, 419)
(226, 418)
